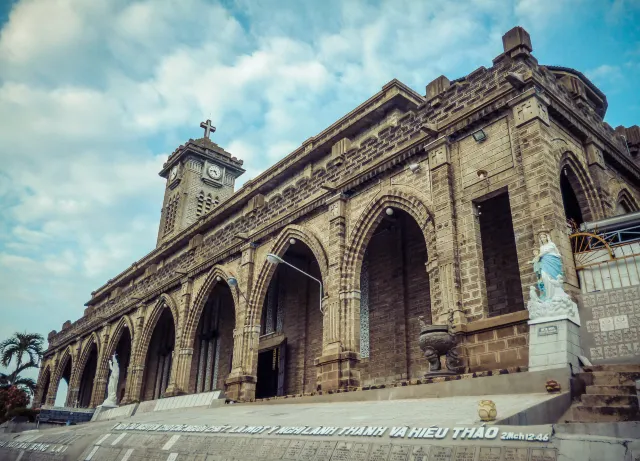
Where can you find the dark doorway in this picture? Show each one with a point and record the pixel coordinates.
(87, 379)
(213, 345)
(570, 201)
(500, 257)
(394, 293)
(159, 357)
(271, 372)
(291, 315)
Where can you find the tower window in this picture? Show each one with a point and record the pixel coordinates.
(170, 214)
(205, 203)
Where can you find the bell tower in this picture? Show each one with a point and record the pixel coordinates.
(200, 174)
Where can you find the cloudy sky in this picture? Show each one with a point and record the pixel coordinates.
(95, 93)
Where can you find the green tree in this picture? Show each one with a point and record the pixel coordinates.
(14, 349)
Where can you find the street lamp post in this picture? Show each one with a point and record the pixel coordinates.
(274, 259)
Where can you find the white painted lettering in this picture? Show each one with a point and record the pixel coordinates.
(398, 432)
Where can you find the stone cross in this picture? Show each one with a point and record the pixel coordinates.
(208, 128)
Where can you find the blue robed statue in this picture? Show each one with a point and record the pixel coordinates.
(547, 265)
(553, 300)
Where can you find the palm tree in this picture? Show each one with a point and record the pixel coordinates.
(15, 348)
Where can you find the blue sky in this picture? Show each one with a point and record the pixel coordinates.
(95, 93)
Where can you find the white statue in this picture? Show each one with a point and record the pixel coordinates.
(112, 387)
(553, 300)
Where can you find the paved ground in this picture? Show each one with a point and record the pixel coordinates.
(442, 412)
(102, 441)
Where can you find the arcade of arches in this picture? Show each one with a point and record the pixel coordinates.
(397, 284)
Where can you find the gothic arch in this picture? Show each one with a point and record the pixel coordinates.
(164, 301)
(84, 355)
(42, 388)
(582, 185)
(123, 323)
(627, 201)
(279, 248)
(65, 357)
(369, 219)
(193, 317)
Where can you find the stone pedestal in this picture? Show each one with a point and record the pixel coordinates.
(554, 342)
(100, 409)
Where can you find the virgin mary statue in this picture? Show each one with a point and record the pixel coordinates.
(549, 267)
(553, 300)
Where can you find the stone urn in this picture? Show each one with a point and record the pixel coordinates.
(437, 341)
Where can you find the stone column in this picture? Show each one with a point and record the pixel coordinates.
(102, 371)
(595, 160)
(182, 353)
(541, 176)
(76, 376)
(241, 383)
(133, 388)
(337, 366)
(50, 398)
(444, 267)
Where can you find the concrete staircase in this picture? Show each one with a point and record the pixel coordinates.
(610, 396)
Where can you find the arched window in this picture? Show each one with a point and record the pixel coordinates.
(170, 215)
(205, 203)
(625, 203)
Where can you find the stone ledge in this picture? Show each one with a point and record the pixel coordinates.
(495, 322)
(361, 391)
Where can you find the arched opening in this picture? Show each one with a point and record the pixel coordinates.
(123, 355)
(63, 385)
(213, 344)
(46, 381)
(570, 201)
(625, 203)
(291, 327)
(87, 378)
(394, 293)
(159, 356)
(622, 207)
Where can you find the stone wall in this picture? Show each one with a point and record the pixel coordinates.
(489, 346)
(612, 321)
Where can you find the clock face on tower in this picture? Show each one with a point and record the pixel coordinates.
(214, 172)
(174, 172)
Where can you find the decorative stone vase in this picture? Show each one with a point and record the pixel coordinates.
(436, 341)
(487, 410)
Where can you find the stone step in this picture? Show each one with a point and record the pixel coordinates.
(611, 390)
(610, 378)
(602, 414)
(609, 400)
(618, 368)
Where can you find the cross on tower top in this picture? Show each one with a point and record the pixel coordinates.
(208, 128)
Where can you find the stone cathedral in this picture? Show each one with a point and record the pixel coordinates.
(313, 276)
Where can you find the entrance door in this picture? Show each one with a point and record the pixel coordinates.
(271, 372)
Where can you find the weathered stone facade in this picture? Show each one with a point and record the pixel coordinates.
(408, 206)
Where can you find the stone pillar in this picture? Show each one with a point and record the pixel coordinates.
(337, 366)
(595, 160)
(241, 383)
(133, 388)
(76, 376)
(102, 370)
(50, 398)
(444, 267)
(541, 176)
(182, 353)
